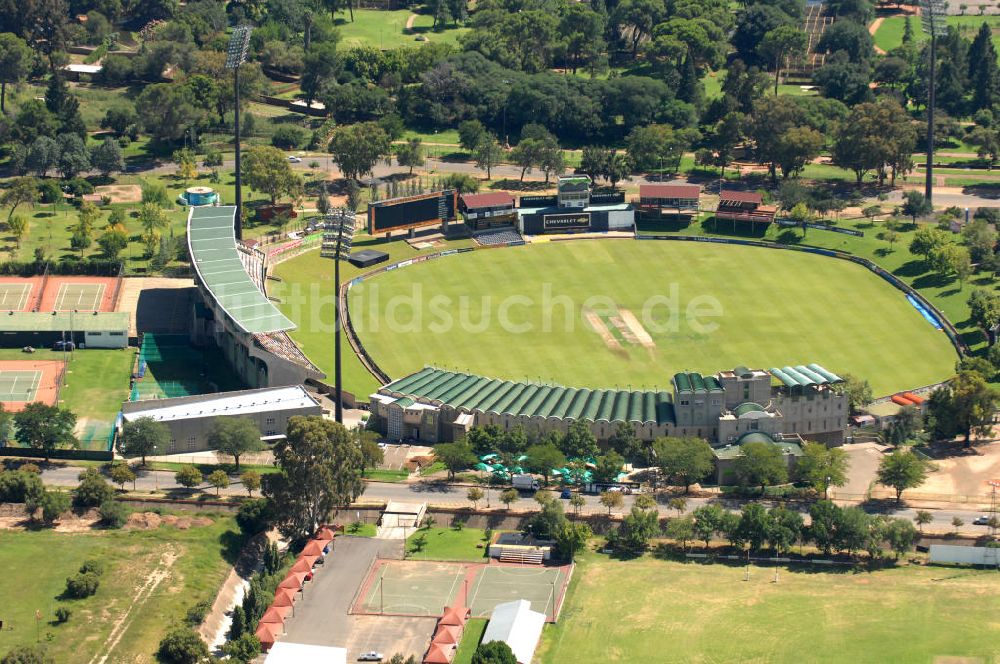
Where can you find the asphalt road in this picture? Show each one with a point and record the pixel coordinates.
(447, 495)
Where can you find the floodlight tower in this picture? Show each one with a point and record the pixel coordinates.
(236, 54)
(339, 237)
(932, 19)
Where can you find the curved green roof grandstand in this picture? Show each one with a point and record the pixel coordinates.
(503, 397)
(217, 264)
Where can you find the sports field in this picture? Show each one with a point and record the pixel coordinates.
(622, 313)
(25, 381)
(424, 588)
(649, 610)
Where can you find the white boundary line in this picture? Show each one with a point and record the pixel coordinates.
(60, 304)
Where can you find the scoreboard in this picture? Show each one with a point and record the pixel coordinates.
(397, 214)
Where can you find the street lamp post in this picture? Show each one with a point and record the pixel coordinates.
(236, 55)
(932, 19)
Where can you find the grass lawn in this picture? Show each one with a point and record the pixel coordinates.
(96, 386)
(448, 544)
(387, 29)
(361, 529)
(890, 33)
(470, 311)
(470, 640)
(306, 295)
(192, 564)
(649, 610)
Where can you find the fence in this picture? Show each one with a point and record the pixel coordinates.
(31, 453)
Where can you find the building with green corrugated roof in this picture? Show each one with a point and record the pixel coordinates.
(435, 405)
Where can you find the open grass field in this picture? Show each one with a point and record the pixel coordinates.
(151, 579)
(306, 295)
(470, 640)
(624, 313)
(387, 29)
(96, 385)
(649, 610)
(890, 33)
(447, 544)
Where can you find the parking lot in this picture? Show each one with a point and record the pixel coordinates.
(321, 615)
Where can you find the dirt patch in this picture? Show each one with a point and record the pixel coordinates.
(14, 517)
(636, 328)
(152, 521)
(142, 594)
(120, 193)
(598, 326)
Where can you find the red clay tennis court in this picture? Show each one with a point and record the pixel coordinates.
(79, 294)
(27, 381)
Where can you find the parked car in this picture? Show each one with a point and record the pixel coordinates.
(981, 521)
(64, 345)
(371, 656)
(295, 160)
(565, 494)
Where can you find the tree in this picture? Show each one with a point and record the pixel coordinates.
(455, 456)
(219, 479)
(681, 530)
(858, 392)
(821, 467)
(410, 154)
(824, 519)
(119, 119)
(608, 467)
(187, 165)
(577, 501)
(494, 652)
(92, 489)
(371, 454)
(901, 536)
(143, 437)
(254, 516)
(320, 469)
(45, 428)
(922, 518)
(53, 504)
(708, 520)
(15, 64)
(875, 136)
(781, 44)
(245, 648)
(188, 476)
(18, 227)
(612, 500)
(488, 154)
(902, 470)
(964, 406)
(113, 513)
(251, 481)
(165, 111)
(784, 528)
(266, 169)
(984, 310)
(234, 436)
(107, 157)
(657, 146)
(624, 441)
(22, 190)
(760, 464)
(572, 538)
(471, 134)
(684, 460)
(73, 155)
(906, 424)
(636, 529)
(182, 645)
(357, 148)
(753, 526)
(474, 495)
(915, 205)
(543, 458)
(113, 241)
(508, 496)
(579, 441)
(121, 474)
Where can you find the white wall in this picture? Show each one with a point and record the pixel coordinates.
(106, 339)
(964, 555)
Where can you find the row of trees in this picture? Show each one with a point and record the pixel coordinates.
(754, 528)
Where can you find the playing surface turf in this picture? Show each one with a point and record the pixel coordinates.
(624, 313)
(649, 610)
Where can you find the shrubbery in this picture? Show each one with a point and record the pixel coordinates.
(82, 585)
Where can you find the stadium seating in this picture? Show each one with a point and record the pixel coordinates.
(497, 236)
